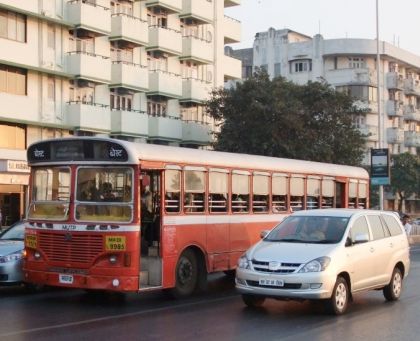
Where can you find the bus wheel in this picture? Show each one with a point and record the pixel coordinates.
(186, 275)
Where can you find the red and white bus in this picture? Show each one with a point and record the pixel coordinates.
(115, 215)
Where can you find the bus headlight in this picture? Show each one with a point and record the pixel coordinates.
(37, 255)
(113, 259)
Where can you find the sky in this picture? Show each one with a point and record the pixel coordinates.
(399, 21)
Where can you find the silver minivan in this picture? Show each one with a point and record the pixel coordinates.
(326, 255)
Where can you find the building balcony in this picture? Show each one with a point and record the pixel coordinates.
(230, 3)
(89, 66)
(129, 123)
(129, 29)
(196, 49)
(196, 133)
(411, 113)
(165, 83)
(171, 6)
(231, 30)
(90, 16)
(394, 80)
(366, 106)
(394, 108)
(412, 139)
(350, 76)
(395, 135)
(370, 131)
(19, 108)
(23, 5)
(165, 40)
(88, 116)
(199, 10)
(411, 87)
(232, 68)
(195, 90)
(165, 128)
(129, 75)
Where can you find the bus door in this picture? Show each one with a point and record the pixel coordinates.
(151, 222)
(340, 194)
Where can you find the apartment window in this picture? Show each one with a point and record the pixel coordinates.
(12, 136)
(82, 45)
(122, 55)
(157, 61)
(120, 101)
(156, 107)
(301, 66)
(157, 17)
(124, 7)
(13, 80)
(12, 26)
(51, 36)
(361, 92)
(81, 91)
(194, 112)
(356, 62)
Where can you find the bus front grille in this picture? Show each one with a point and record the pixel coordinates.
(71, 248)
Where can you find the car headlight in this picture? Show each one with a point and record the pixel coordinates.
(243, 262)
(316, 265)
(12, 257)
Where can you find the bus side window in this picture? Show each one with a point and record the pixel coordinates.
(260, 192)
(218, 190)
(313, 188)
(194, 191)
(362, 198)
(296, 192)
(279, 189)
(172, 191)
(327, 193)
(240, 192)
(353, 194)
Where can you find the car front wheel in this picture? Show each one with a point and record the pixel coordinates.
(392, 291)
(339, 300)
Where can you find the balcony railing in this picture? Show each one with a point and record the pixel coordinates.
(196, 133)
(394, 108)
(199, 50)
(165, 83)
(394, 80)
(128, 28)
(232, 68)
(370, 131)
(232, 30)
(199, 10)
(412, 139)
(412, 86)
(165, 128)
(350, 76)
(88, 116)
(129, 75)
(89, 15)
(395, 135)
(411, 113)
(88, 65)
(165, 39)
(195, 90)
(133, 122)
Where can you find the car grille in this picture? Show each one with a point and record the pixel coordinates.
(285, 286)
(74, 248)
(4, 277)
(283, 268)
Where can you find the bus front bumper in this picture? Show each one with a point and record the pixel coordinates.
(94, 282)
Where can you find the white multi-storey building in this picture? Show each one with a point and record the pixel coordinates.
(350, 65)
(133, 69)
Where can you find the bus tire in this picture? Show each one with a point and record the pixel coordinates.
(186, 275)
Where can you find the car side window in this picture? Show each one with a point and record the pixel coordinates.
(378, 231)
(359, 227)
(392, 224)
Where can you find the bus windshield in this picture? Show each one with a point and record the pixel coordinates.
(104, 194)
(50, 193)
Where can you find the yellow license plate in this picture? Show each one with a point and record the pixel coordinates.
(30, 241)
(115, 243)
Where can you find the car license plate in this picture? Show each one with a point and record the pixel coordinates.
(271, 282)
(66, 279)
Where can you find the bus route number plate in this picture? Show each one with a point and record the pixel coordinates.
(65, 279)
(115, 243)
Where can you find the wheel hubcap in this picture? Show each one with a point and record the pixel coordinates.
(341, 296)
(396, 284)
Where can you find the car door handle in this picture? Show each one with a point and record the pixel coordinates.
(372, 249)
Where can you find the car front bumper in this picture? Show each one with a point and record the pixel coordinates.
(300, 286)
(11, 272)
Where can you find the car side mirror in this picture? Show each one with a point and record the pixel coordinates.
(264, 233)
(361, 238)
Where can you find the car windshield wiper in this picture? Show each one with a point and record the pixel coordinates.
(287, 240)
(15, 239)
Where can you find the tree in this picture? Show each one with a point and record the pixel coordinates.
(282, 119)
(405, 177)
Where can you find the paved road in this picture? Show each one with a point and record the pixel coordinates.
(216, 315)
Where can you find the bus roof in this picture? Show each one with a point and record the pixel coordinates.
(180, 155)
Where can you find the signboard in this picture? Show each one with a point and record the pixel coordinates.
(380, 171)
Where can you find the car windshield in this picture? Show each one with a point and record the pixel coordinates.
(309, 229)
(15, 232)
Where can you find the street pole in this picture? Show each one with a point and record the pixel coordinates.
(380, 121)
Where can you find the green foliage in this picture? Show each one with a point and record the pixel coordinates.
(405, 176)
(279, 118)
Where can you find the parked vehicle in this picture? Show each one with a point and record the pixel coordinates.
(326, 255)
(11, 254)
